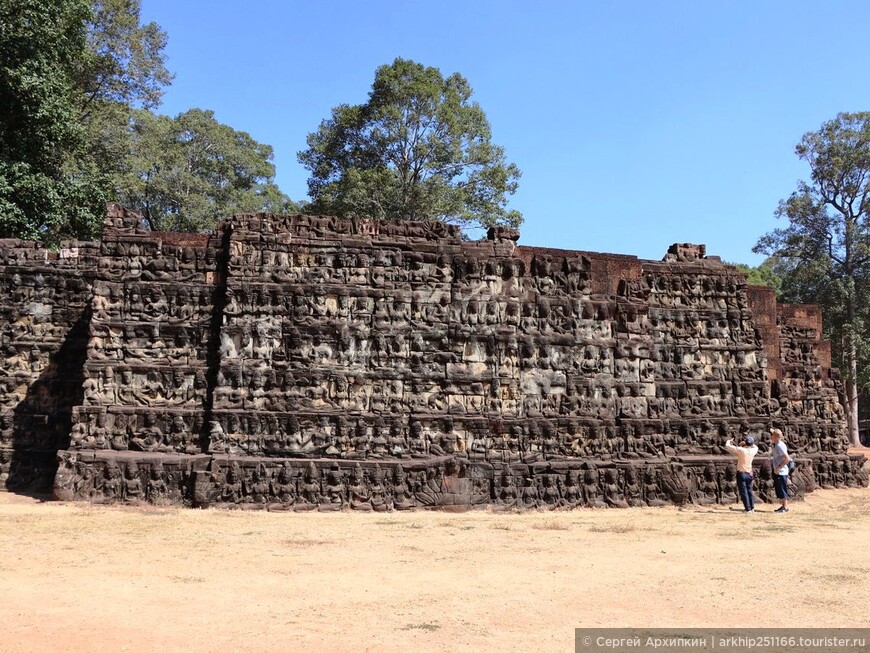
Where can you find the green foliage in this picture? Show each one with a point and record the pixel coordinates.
(121, 70)
(185, 173)
(762, 275)
(418, 149)
(77, 78)
(124, 61)
(181, 173)
(824, 252)
(70, 71)
(41, 187)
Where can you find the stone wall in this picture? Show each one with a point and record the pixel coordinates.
(313, 363)
(44, 312)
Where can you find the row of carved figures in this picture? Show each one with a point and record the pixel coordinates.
(450, 483)
(313, 435)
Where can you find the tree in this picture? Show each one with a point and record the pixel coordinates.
(123, 69)
(418, 149)
(825, 249)
(124, 62)
(40, 47)
(185, 173)
(762, 275)
(70, 73)
(181, 173)
(77, 78)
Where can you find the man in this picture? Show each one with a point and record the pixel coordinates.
(744, 453)
(779, 460)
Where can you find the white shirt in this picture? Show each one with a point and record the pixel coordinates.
(744, 456)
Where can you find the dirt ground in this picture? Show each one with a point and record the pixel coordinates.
(76, 577)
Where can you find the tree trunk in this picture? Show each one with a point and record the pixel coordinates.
(851, 351)
(852, 413)
(851, 388)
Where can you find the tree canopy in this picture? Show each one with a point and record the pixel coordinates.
(124, 62)
(824, 251)
(123, 70)
(78, 82)
(41, 189)
(418, 149)
(762, 275)
(185, 173)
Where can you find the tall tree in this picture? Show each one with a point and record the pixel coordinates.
(186, 172)
(123, 69)
(70, 73)
(77, 78)
(418, 149)
(182, 173)
(124, 62)
(825, 248)
(41, 45)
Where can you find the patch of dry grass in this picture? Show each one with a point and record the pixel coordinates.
(303, 541)
(187, 579)
(426, 626)
(613, 528)
(551, 525)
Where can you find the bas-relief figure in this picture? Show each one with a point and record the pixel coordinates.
(330, 365)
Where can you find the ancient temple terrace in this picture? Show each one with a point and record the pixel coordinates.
(311, 363)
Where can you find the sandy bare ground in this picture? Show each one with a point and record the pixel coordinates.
(76, 577)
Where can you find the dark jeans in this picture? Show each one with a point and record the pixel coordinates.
(744, 487)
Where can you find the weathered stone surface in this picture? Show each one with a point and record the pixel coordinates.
(304, 362)
(44, 313)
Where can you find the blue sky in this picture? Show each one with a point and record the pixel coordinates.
(636, 123)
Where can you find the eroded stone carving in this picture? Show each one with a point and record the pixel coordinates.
(310, 363)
